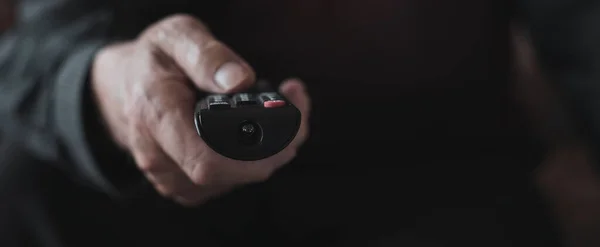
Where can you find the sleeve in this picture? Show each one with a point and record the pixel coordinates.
(566, 36)
(45, 100)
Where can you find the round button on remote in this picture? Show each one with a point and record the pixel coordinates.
(250, 133)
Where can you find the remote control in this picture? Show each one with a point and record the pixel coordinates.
(247, 126)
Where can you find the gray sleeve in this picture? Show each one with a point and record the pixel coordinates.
(45, 103)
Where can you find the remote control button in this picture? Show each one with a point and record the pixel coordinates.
(270, 96)
(244, 99)
(218, 102)
(271, 100)
(273, 103)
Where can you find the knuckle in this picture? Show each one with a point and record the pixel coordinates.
(135, 113)
(202, 174)
(212, 47)
(164, 191)
(149, 162)
(152, 104)
(180, 19)
(198, 167)
(176, 27)
(160, 65)
(136, 106)
(152, 65)
(146, 117)
(166, 99)
(155, 113)
(156, 116)
(213, 53)
(170, 28)
(132, 103)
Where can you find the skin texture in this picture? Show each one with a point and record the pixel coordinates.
(145, 90)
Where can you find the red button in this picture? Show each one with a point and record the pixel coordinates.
(273, 103)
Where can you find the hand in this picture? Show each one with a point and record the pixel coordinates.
(146, 91)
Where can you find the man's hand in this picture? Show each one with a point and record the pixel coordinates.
(146, 91)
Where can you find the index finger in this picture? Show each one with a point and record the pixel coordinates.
(170, 123)
(209, 63)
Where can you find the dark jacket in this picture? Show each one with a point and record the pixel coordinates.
(414, 129)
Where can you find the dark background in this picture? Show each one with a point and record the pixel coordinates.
(565, 177)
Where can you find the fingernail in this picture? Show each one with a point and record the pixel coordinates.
(230, 75)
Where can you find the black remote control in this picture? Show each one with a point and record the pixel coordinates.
(252, 125)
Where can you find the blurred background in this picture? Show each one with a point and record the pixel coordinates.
(566, 177)
(6, 14)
